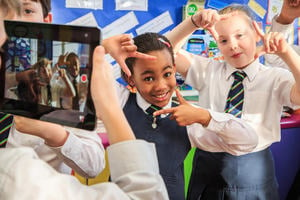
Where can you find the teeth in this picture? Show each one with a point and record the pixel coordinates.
(160, 96)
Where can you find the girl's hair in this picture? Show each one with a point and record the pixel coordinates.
(148, 42)
(10, 5)
(46, 6)
(237, 7)
(43, 62)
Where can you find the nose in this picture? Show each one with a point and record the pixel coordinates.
(233, 44)
(160, 84)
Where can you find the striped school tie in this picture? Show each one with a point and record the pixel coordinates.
(150, 110)
(235, 99)
(5, 124)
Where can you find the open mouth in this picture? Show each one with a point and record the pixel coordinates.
(161, 97)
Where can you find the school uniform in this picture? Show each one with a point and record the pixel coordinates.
(171, 142)
(83, 151)
(287, 31)
(192, 130)
(24, 176)
(222, 174)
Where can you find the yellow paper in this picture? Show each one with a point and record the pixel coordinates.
(257, 8)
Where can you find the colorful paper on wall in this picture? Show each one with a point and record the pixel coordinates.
(141, 5)
(257, 8)
(217, 4)
(157, 24)
(88, 20)
(90, 4)
(120, 25)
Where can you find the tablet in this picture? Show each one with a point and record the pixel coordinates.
(46, 72)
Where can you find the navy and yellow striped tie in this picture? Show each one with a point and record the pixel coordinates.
(235, 99)
(5, 124)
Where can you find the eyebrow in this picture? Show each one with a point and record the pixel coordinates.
(151, 72)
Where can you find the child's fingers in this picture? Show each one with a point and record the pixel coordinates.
(258, 30)
(214, 33)
(124, 67)
(180, 98)
(164, 111)
(142, 56)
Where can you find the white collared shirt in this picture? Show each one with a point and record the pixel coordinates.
(210, 142)
(266, 90)
(24, 176)
(287, 30)
(83, 151)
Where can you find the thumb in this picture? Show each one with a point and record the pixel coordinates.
(98, 56)
(180, 98)
(259, 52)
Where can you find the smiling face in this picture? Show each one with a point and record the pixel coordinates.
(155, 79)
(73, 66)
(237, 40)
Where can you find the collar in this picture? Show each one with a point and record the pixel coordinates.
(143, 104)
(251, 70)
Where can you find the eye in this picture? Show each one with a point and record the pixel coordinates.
(240, 35)
(223, 41)
(28, 11)
(168, 74)
(148, 79)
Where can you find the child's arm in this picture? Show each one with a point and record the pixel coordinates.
(202, 19)
(106, 102)
(289, 12)
(275, 43)
(236, 136)
(283, 23)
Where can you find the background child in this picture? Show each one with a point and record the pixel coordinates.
(283, 22)
(218, 174)
(61, 151)
(24, 176)
(74, 148)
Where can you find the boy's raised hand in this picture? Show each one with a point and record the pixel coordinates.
(184, 114)
(121, 47)
(273, 42)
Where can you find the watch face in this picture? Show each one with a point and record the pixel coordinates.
(34, 83)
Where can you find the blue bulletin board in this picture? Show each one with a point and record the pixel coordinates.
(263, 11)
(109, 14)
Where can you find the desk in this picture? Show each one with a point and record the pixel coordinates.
(287, 154)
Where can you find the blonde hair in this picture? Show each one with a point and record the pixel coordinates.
(7, 6)
(239, 8)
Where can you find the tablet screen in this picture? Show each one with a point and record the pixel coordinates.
(46, 71)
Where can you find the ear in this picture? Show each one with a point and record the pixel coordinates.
(130, 81)
(48, 18)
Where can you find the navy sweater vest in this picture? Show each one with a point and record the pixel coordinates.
(171, 141)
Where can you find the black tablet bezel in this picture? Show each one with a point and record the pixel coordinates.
(53, 32)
